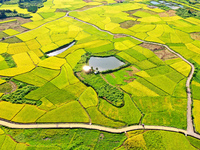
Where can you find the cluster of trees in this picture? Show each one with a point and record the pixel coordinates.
(18, 96)
(31, 5)
(183, 12)
(8, 58)
(9, 13)
(103, 89)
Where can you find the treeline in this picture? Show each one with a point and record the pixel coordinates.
(103, 89)
(185, 13)
(31, 5)
(17, 96)
(9, 13)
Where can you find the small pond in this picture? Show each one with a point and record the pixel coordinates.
(105, 63)
(170, 5)
(58, 51)
(154, 2)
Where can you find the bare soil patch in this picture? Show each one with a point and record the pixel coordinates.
(163, 14)
(135, 70)
(129, 23)
(112, 75)
(165, 54)
(195, 35)
(87, 1)
(16, 25)
(129, 81)
(79, 75)
(119, 36)
(101, 136)
(168, 13)
(86, 7)
(130, 73)
(13, 85)
(152, 47)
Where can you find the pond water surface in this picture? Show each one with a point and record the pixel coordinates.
(56, 52)
(105, 63)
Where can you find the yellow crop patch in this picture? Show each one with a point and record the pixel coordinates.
(193, 48)
(11, 32)
(136, 88)
(120, 46)
(182, 67)
(196, 113)
(157, 32)
(3, 47)
(17, 48)
(111, 26)
(33, 44)
(49, 47)
(52, 62)
(6, 107)
(26, 61)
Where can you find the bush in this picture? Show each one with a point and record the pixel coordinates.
(32, 9)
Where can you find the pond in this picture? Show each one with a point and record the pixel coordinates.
(154, 2)
(105, 63)
(58, 51)
(168, 4)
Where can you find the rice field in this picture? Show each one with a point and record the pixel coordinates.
(150, 83)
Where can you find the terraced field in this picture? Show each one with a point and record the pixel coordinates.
(150, 89)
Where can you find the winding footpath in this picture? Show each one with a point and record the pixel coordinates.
(190, 128)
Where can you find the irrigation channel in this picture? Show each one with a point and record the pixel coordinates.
(190, 128)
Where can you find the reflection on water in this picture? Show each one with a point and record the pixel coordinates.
(105, 63)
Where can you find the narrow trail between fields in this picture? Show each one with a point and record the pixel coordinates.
(190, 128)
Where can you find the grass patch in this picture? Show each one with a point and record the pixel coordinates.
(12, 40)
(5, 88)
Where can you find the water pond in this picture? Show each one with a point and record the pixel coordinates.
(154, 2)
(105, 63)
(170, 5)
(58, 51)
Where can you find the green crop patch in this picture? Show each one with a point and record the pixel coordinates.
(29, 114)
(98, 118)
(9, 143)
(45, 73)
(70, 112)
(42, 91)
(89, 98)
(163, 83)
(164, 111)
(61, 80)
(135, 54)
(31, 78)
(60, 96)
(128, 113)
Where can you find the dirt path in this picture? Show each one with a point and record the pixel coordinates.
(95, 127)
(13, 85)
